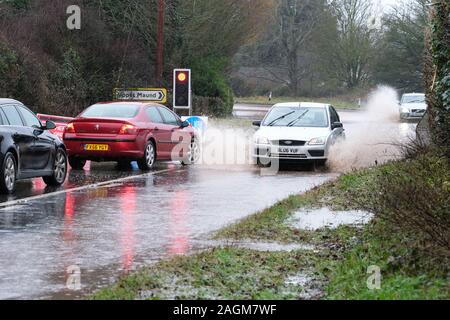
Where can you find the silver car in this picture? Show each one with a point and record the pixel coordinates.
(413, 106)
(297, 132)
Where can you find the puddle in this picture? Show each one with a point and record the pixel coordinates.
(300, 279)
(310, 286)
(258, 246)
(179, 288)
(325, 218)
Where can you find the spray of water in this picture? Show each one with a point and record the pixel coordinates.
(227, 147)
(373, 135)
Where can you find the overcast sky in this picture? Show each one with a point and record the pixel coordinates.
(386, 4)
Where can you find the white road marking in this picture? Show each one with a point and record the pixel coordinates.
(106, 184)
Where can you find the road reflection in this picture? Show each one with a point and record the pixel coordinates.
(92, 173)
(128, 220)
(179, 224)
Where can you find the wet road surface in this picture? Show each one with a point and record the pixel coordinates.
(76, 179)
(107, 222)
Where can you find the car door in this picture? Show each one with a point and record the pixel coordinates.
(22, 136)
(44, 146)
(161, 132)
(176, 134)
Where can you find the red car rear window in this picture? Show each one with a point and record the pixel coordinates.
(126, 111)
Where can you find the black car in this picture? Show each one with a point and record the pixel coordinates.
(28, 149)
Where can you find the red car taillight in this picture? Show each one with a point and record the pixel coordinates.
(70, 128)
(128, 129)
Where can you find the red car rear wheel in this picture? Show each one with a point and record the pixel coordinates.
(149, 159)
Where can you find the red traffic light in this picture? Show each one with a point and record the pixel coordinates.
(182, 89)
(182, 77)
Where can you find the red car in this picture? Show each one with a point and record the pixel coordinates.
(130, 131)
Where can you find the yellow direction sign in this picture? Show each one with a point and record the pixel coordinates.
(158, 95)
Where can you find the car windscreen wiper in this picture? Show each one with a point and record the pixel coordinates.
(290, 124)
(280, 118)
(416, 101)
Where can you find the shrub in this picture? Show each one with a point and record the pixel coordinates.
(18, 4)
(209, 81)
(209, 106)
(437, 74)
(413, 201)
(9, 71)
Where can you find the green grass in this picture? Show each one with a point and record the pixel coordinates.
(340, 103)
(222, 273)
(399, 280)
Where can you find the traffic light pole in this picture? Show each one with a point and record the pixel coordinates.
(160, 44)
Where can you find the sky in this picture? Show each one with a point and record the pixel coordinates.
(386, 4)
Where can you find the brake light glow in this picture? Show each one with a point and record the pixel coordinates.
(128, 129)
(70, 128)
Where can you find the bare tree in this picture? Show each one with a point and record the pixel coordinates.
(288, 54)
(222, 26)
(353, 48)
(402, 45)
(298, 20)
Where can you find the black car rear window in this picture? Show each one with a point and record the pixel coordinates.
(126, 111)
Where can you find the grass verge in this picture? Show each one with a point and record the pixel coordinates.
(221, 273)
(348, 275)
(339, 103)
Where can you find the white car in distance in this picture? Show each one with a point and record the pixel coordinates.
(413, 106)
(297, 132)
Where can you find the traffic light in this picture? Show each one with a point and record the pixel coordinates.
(182, 89)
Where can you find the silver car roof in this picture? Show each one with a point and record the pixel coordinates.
(302, 105)
(413, 94)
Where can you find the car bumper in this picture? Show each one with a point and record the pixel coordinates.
(117, 149)
(290, 153)
(411, 115)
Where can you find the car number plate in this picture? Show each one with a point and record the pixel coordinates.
(96, 147)
(289, 150)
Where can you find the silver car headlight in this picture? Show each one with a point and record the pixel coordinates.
(318, 141)
(262, 140)
(404, 110)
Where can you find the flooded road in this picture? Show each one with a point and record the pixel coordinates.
(118, 227)
(105, 222)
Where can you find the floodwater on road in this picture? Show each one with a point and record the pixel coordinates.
(93, 173)
(115, 228)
